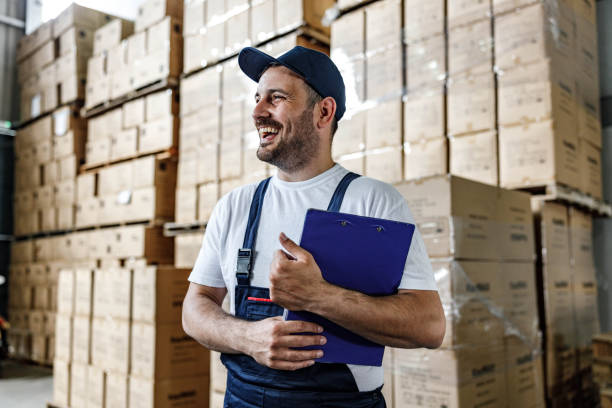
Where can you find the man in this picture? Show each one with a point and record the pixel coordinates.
(299, 100)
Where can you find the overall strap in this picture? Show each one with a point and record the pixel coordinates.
(245, 254)
(336, 200)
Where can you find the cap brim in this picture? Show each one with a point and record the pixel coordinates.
(253, 62)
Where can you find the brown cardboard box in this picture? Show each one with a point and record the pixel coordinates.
(116, 390)
(589, 123)
(97, 91)
(165, 34)
(83, 302)
(99, 342)
(186, 204)
(71, 89)
(125, 144)
(152, 11)
(350, 137)
(590, 169)
(186, 249)
(142, 242)
(468, 11)
(581, 237)
(262, 26)
(384, 125)
(471, 104)
(524, 374)
(200, 91)
(515, 223)
(553, 232)
(384, 164)
(172, 393)
(426, 64)
(63, 337)
(22, 251)
(560, 331)
(560, 368)
(158, 135)
(133, 113)
(531, 34)
(71, 142)
(81, 339)
(39, 348)
(65, 300)
(585, 306)
(384, 73)
(383, 25)
(78, 384)
(28, 43)
(456, 217)
(462, 378)
(76, 38)
(425, 158)
(293, 13)
(119, 338)
(468, 290)
(76, 15)
(96, 384)
(51, 173)
(87, 212)
(161, 104)
(208, 194)
(348, 38)
(218, 373)
(158, 294)
(163, 351)
(423, 19)
(111, 34)
(96, 68)
(474, 156)
(61, 382)
(47, 219)
(36, 322)
(194, 17)
(237, 28)
(519, 300)
(525, 160)
(97, 151)
(536, 92)
(68, 168)
(470, 50)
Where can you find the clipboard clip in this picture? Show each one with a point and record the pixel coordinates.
(243, 264)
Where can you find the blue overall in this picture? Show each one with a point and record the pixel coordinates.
(252, 385)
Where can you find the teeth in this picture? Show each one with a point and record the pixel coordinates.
(267, 130)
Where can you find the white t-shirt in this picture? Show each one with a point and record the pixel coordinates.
(283, 210)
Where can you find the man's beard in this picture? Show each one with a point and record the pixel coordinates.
(293, 153)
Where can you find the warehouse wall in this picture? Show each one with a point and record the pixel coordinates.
(9, 36)
(602, 227)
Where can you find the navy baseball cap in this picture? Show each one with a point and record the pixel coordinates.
(317, 69)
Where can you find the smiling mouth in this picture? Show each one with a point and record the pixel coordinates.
(267, 134)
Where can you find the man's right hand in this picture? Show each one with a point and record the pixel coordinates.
(271, 343)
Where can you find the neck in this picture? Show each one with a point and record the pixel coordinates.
(309, 171)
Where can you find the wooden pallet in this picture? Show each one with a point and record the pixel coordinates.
(158, 85)
(158, 222)
(161, 154)
(560, 192)
(76, 104)
(172, 229)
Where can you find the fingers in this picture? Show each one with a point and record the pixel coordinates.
(289, 365)
(300, 326)
(300, 341)
(294, 249)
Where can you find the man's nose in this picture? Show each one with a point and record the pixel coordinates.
(260, 110)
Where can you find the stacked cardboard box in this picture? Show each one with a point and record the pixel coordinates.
(126, 61)
(52, 60)
(121, 342)
(602, 367)
(48, 152)
(568, 299)
(481, 242)
(217, 29)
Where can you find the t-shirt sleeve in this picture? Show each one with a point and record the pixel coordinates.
(418, 273)
(207, 269)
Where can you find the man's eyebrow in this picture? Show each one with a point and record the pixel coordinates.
(273, 90)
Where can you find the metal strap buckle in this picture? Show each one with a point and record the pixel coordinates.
(243, 264)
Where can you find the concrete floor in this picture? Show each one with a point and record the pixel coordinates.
(25, 386)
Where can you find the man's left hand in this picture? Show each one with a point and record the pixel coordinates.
(295, 279)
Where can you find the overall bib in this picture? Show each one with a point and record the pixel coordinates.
(252, 385)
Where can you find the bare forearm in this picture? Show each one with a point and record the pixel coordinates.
(211, 326)
(402, 320)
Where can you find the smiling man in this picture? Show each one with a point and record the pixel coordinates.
(299, 101)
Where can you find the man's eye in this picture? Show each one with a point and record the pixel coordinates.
(275, 97)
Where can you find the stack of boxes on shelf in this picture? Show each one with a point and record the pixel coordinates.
(129, 57)
(217, 29)
(52, 60)
(568, 300)
(481, 243)
(602, 367)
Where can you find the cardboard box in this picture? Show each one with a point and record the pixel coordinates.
(61, 382)
(78, 384)
(133, 113)
(65, 299)
(39, 348)
(425, 158)
(537, 92)
(586, 312)
(76, 15)
(384, 73)
(456, 217)
(218, 373)
(111, 34)
(516, 230)
(164, 35)
(384, 125)
(589, 123)
(531, 34)
(83, 302)
(524, 374)
(158, 135)
(553, 231)
(76, 38)
(152, 11)
(68, 168)
(125, 144)
(426, 64)
(519, 300)
(349, 138)
(560, 333)
(468, 291)
(81, 339)
(348, 38)
(423, 19)
(237, 28)
(290, 14)
(97, 91)
(474, 156)
(468, 11)
(170, 393)
(194, 18)
(383, 25)
(560, 368)
(471, 104)
(186, 249)
(36, 321)
(262, 26)
(208, 195)
(28, 43)
(63, 337)
(186, 204)
(581, 237)
(590, 169)
(118, 352)
(384, 164)
(142, 242)
(161, 104)
(551, 157)
(87, 212)
(97, 151)
(450, 378)
(158, 294)
(470, 49)
(117, 390)
(95, 389)
(200, 91)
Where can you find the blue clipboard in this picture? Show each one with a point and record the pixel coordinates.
(357, 253)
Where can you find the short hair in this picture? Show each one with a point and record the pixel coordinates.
(313, 96)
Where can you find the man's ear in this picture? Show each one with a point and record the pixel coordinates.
(327, 110)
